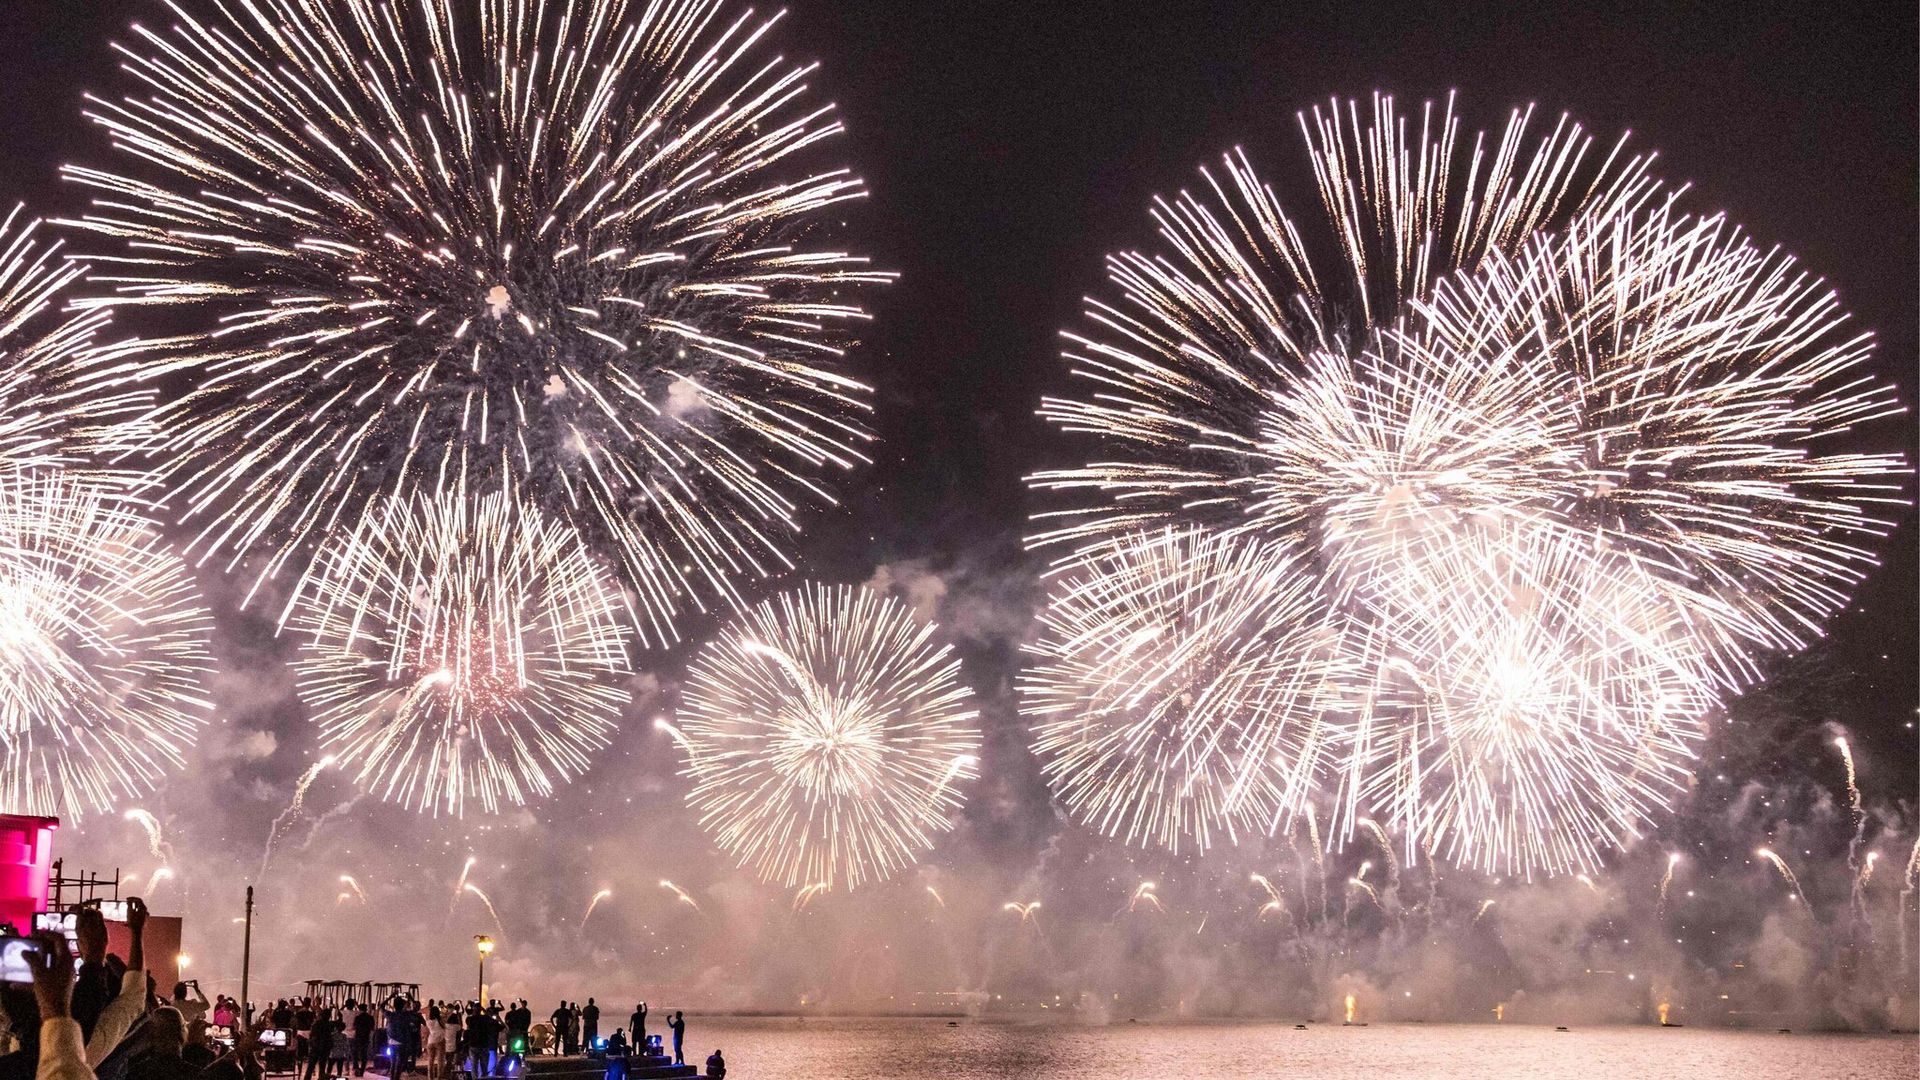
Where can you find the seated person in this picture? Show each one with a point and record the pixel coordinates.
(617, 1043)
(716, 1066)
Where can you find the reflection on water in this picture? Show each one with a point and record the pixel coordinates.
(930, 1050)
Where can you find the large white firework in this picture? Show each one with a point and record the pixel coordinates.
(414, 245)
(463, 650)
(1558, 462)
(1176, 690)
(825, 732)
(55, 413)
(103, 649)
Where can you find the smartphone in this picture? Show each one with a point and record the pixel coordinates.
(15, 963)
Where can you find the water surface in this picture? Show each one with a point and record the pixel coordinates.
(885, 1049)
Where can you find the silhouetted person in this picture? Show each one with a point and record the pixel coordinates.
(199, 1052)
(166, 1036)
(362, 1040)
(590, 1023)
(96, 983)
(679, 1027)
(240, 1063)
(319, 1044)
(638, 1022)
(716, 1066)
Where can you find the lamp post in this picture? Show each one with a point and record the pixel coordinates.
(485, 944)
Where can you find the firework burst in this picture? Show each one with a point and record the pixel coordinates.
(1548, 463)
(825, 731)
(56, 412)
(425, 245)
(1175, 690)
(103, 650)
(461, 650)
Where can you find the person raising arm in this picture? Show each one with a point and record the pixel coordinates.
(62, 1055)
(127, 1007)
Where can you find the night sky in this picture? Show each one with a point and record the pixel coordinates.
(1008, 147)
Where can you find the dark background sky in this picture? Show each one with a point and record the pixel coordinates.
(1009, 146)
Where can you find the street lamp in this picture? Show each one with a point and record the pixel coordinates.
(485, 945)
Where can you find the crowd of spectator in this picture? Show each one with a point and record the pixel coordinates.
(101, 1019)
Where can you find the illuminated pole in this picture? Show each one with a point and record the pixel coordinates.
(485, 945)
(246, 964)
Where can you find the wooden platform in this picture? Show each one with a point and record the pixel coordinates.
(584, 1067)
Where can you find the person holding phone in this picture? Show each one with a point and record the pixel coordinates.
(117, 1018)
(51, 1046)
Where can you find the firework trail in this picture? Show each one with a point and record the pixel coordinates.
(460, 886)
(1588, 882)
(931, 891)
(1361, 884)
(1910, 885)
(1319, 860)
(594, 903)
(825, 730)
(160, 874)
(156, 842)
(105, 647)
(1464, 436)
(1666, 880)
(1274, 902)
(461, 650)
(1485, 906)
(1025, 911)
(1144, 893)
(675, 734)
(575, 249)
(688, 900)
(1786, 872)
(358, 893)
(475, 890)
(806, 894)
(1859, 836)
(291, 814)
(1386, 851)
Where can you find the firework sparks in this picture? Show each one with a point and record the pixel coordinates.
(1666, 879)
(103, 649)
(56, 413)
(571, 249)
(1143, 893)
(358, 893)
(1026, 911)
(1485, 906)
(462, 652)
(1170, 703)
(295, 807)
(1275, 903)
(805, 895)
(1465, 439)
(594, 903)
(681, 894)
(1786, 872)
(475, 890)
(157, 845)
(826, 730)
